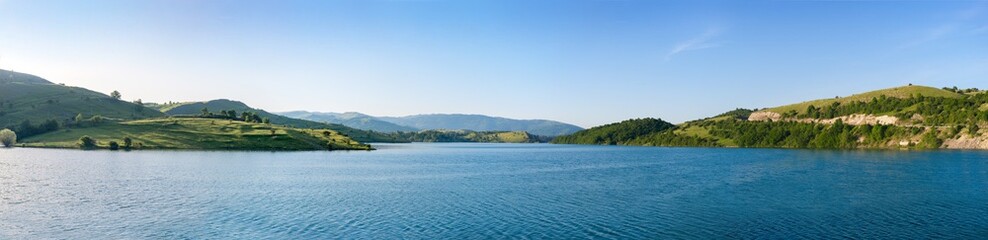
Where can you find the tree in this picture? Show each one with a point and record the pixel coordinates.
(139, 105)
(114, 145)
(8, 138)
(128, 143)
(79, 119)
(115, 95)
(266, 121)
(205, 112)
(86, 142)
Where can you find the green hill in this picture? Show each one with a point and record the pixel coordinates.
(914, 117)
(215, 106)
(27, 97)
(198, 133)
(616, 133)
(16, 77)
(897, 92)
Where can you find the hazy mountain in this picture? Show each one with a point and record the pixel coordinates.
(215, 106)
(351, 119)
(484, 123)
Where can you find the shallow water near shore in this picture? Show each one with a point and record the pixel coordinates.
(494, 190)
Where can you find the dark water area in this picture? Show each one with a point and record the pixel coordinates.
(429, 191)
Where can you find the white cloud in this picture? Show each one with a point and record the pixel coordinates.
(963, 20)
(703, 41)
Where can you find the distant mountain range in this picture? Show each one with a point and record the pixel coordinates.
(470, 122)
(216, 106)
(351, 119)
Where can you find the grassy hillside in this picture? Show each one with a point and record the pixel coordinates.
(26, 97)
(470, 136)
(16, 77)
(351, 119)
(215, 106)
(897, 92)
(484, 123)
(198, 133)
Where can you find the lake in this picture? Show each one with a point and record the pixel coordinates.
(468, 191)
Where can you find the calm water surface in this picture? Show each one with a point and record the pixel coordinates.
(494, 191)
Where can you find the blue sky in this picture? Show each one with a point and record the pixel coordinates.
(583, 62)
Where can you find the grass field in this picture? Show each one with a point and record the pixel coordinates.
(898, 92)
(199, 133)
(698, 131)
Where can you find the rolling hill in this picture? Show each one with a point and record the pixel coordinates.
(197, 133)
(475, 122)
(351, 119)
(215, 106)
(907, 117)
(28, 97)
(616, 133)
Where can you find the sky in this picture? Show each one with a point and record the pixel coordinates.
(582, 62)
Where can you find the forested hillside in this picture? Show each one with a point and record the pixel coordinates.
(913, 117)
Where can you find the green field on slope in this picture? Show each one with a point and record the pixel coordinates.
(38, 102)
(199, 133)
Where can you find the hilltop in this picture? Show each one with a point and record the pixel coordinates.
(896, 92)
(16, 77)
(910, 117)
(31, 100)
(216, 106)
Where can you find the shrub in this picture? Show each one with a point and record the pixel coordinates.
(114, 145)
(86, 142)
(8, 138)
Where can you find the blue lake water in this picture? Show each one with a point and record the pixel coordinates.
(430, 191)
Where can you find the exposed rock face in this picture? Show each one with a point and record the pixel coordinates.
(853, 119)
(967, 142)
(762, 116)
(863, 119)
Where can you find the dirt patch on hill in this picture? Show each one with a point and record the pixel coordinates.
(967, 142)
(853, 119)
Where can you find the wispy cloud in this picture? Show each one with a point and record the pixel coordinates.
(961, 24)
(932, 35)
(980, 30)
(703, 41)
